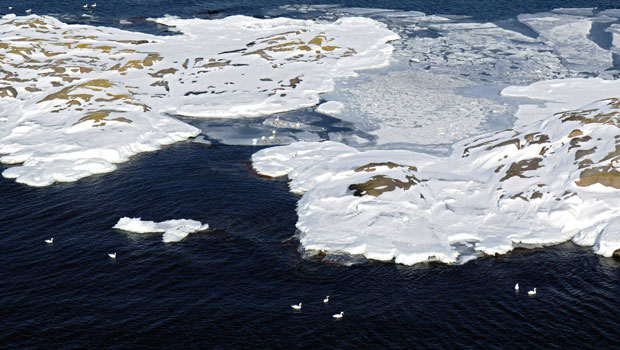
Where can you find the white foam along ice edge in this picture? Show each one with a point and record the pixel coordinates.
(174, 230)
(541, 183)
(90, 97)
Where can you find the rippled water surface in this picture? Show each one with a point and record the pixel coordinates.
(108, 12)
(231, 287)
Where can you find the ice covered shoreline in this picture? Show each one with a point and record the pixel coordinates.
(76, 99)
(546, 181)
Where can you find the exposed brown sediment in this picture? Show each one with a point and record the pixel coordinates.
(584, 152)
(466, 150)
(518, 168)
(585, 116)
(575, 142)
(605, 175)
(536, 138)
(391, 165)
(99, 117)
(8, 91)
(64, 94)
(516, 142)
(380, 184)
(575, 133)
(161, 73)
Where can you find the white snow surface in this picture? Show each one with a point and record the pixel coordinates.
(543, 182)
(438, 89)
(174, 230)
(77, 99)
(332, 108)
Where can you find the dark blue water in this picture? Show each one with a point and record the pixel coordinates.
(231, 286)
(109, 11)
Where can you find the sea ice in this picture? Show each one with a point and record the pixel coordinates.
(332, 108)
(174, 230)
(425, 96)
(415, 107)
(543, 182)
(568, 35)
(76, 99)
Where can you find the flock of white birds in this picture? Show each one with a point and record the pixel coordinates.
(297, 307)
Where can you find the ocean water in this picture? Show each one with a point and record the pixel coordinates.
(231, 287)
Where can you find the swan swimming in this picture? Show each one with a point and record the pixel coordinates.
(112, 255)
(28, 10)
(254, 141)
(532, 292)
(296, 307)
(340, 315)
(49, 241)
(93, 5)
(517, 287)
(326, 300)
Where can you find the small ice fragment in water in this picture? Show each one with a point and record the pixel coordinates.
(174, 230)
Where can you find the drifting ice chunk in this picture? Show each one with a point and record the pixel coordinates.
(174, 230)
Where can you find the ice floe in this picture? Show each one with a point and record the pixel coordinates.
(76, 99)
(543, 182)
(445, 74)
(568, 36)
(416, 107)
(174, 230)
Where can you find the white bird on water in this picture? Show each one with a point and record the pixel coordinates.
(10, 8)
(296, 307)
(340, 315)
(28, 10)
(254, 141)
(49, 241)
(85, 6)
(112, 255)
(517, 287)
(326, 300)
(93, 5)
(532, 292)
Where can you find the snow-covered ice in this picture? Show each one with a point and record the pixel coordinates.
(76, 99)
(445, 74)
(174, 230)
(543, 182)
(332, 108)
